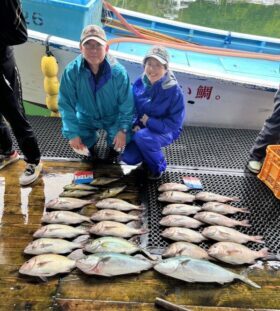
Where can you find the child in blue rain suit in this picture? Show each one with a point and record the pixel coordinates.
(160, 113)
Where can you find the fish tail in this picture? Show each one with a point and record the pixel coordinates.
(244, 223)
(248, 281)
(263, 252)
(244, 210)
(257, 239)
(149, 255)
(234, 199)
(144, 231)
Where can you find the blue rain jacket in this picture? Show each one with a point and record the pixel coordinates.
(86, 106)
(163, 103)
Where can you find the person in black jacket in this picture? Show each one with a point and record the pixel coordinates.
(269, 135)
(12, 32)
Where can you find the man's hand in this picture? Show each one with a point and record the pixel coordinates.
(119, 141)
(144, 119)
(76, 143)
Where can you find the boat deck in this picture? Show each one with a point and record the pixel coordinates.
(216, 156)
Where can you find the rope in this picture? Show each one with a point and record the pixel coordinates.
(155, 38)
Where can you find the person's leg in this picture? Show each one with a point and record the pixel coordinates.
(132, 154)
(269, 135)
(150, 144)
(13, 111)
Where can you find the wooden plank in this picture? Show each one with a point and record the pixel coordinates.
(81, 305)
(148, 285)
(77, 291)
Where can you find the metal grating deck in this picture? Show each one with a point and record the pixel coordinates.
(197, 147)
(264, 208)
(216, 156)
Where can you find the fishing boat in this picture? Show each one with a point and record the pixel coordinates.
(228, 78)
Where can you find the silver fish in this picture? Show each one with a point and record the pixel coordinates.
(115, 215)
(235, 254)
(110, 264)
(114, 203)
(76, 193)
(172, 186)
(54, 246)
(222, 208)
(176, 197)
(180, 209)
(210, 196)
(60, 231)
(112, 228)
(221, 220)
(225, 234)
(101, 181)
(196, 270)
(183, 234)
(64, 217)
(185, 249)
(111, 192)
(114, 245)
(68, 203)
(47, 265)
(79, 187)
(180, 221)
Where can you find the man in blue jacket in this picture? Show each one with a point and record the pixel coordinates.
(160, 114)
(95, 93)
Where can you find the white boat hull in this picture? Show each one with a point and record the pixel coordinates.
(210, 101)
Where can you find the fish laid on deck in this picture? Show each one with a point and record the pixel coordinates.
(60, 231)
(47, 265)
(210, 196)
(80, 187)
(111, 264)
(114, 245)
(101, 181)
(180, 221)
(112, 228)
(118, 204)
(225, 234)
(221, 220)
(54, 246)
(76, 193)
(180, 209)
(64, 217)
(115, 215)
(68, 203)
(176, 197)
(185, 249)
(111, 192)
(222, 208)
(196, 270)
(235, 254)
(173, 187)
(183, 234)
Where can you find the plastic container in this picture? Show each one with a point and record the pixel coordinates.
(64, 19)
(270, 172)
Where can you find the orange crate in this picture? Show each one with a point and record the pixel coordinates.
(270, 172)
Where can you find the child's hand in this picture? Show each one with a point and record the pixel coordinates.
(136, 128)
(144, 119)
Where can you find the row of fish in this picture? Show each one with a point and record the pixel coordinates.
(111, 264)
(180, 224)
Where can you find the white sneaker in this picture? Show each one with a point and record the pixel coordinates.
(254, 166)
(6, 160)
(31, 173)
